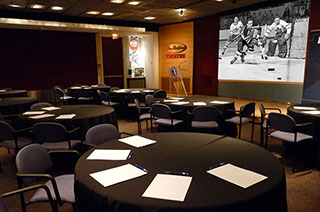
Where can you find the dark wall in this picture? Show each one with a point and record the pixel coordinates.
(34, 60)
(206, 48)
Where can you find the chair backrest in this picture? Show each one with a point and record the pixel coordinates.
(6, 131)
(262, 110)
(248, 109)
(49, 132)
(149, 99)
(114, 88)
(282, 122)
(103, 95)
(133, 96)
(101, 133)
(206, 113)
(3, 207)
(33, 159)
(58, 91)
(39, 105)
(161, 111)
(161, 94)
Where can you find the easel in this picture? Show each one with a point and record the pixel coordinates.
(177, 81)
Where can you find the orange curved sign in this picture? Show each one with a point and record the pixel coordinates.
(176, 47)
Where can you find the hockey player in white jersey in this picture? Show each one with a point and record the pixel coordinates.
(234, 35)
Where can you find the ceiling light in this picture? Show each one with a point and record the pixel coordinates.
(115, 36)
(180, 10)
(107, 13)
(219, 0)
(36, 6)
(117, 1)
(56, 8)
(149, 18)
(93, 12)
(134, 3)
(15, 5)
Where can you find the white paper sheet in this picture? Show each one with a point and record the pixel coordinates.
(51, 108)
(199, 103)
(316, 112)
(66, 116)
(236, 175)
(41, 116)
(121, 90)
(168, 187)
(148, 90)
(109, 154)
(304, 108)
(170, 100)
(137, 141)
(2, 91)
(76, 87)
(177, 98)
(94, 86)
(33, 113)
(180, 103)
(117, 175)
(219, 102)
(135, 91)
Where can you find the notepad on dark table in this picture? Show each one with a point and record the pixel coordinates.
(42, 116)
(109, 154)
(50, 108)
(137, 141)
(66, 116)
(33, 113)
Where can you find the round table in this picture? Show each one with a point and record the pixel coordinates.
(89, 92)
(188, 152)
(16, 105)
(302, 115)
(86, 117)
(13, 93)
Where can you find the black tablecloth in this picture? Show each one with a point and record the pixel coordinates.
(16, 105)
(88, 92)
(86, 117)
(13, 93)
(189, 152)
(127, 91)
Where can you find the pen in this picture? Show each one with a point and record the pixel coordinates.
(217, 165)
(140, 167)
(130, 154)
(177, 173)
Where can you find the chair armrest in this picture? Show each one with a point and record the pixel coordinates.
(125, 133)
(74, 130)
(88, 144)
(304, 124)
(65, 151)
(176, 111)
(273, 108)
(29, 129)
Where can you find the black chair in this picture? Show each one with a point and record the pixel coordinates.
(206, 118)
(61, 96)
(143, 114)
(149, 100)
(132, 96)
(107, 100)
(114, 88)
(164, 116)
(33, 163)
(40, 105)
(263, 122)
(286, 130)
(101, 133)
(160, 94)
(245, 115)
(54, 136)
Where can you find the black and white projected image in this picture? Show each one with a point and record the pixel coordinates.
(268, 44)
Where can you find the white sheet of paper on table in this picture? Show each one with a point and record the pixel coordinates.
(109, 154)
(148, 90)
(66, 116)
(51, 108)
(33, 113)
(41, 116)
(236, 175)
(170, 100)
(304, 108)
(168, 187)
(137, 141)
(199, 103)
(180, 103)
(219, 102)
(177, 98)
(117, 175)
(135, 91)
(316, 112)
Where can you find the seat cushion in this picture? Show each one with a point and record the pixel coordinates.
(60, 145)
(204, 124)
(167, 122)
(109, 103)
(289, 137)
(11, 143)
(85, 98)
(236, 120)
(65, 185)
(66, 97)
(144, 116)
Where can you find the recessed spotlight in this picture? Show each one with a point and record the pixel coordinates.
(180, 11)
(15, 5)
(107, 13)
(117, 1)
(56, 8)
(149, 18)
(93, 12)
(36, 6)
(134, 3)
(219, 0)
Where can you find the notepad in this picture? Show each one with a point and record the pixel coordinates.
(316, 112)
(177, 98)
(109, 154)
(170, 100)
(168, 187)
(117, 175)
(199, 103)
(33, 113)
(41, 116)
(66, 116)
(180, 103)
(148, 90)
(51, 108)
(94, 86)
(304, 108)
(236, 175)
(219, 102)
(135, 91)
(121, 90)
(75, 87)
(137, 141)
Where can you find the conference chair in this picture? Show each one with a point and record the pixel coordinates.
(263, 120)
(132, 96)
(114, 88)
(34, 163)
(61, 96)
(206, 118)
(54, 136)
(287, 131)
(149, 100)
(164, 116)
(245, 115)
(107, 100)
(40, 105)
(160, 94)
(143, 114)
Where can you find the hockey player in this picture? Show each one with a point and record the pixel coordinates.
(283, 30)
(249, 37)
(234, 35)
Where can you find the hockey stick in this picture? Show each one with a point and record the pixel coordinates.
(264, 58)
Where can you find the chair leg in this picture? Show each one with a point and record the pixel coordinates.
(240, 131)
(139, 126)
(252, 131)
(147, 124)
(261, 135)
(294, 158)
